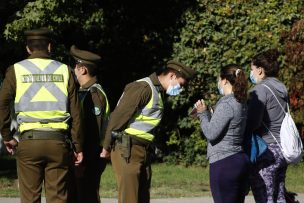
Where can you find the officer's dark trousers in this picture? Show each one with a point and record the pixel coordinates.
(229, 178)
(85, 181)
(133, 176)
(43, 160)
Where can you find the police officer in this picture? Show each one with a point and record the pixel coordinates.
(95, 113)
(48, 111)
(137, 113)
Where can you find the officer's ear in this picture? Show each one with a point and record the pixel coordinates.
(82, 69)
(85, 69)
(28, 50)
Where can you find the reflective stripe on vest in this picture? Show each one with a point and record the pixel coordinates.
(149, 117)
(41, 94)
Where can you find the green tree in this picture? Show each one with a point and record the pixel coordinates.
(293, 71)
(217, 33)
(133, 38)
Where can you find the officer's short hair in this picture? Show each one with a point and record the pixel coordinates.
(38, 39)
(166, 70)
(92, 68)
(38, 44)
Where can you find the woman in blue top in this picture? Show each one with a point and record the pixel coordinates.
(265, 114)
(224, 130)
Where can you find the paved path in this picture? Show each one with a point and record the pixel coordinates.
(249, 199)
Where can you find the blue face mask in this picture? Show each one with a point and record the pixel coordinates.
(252, 78)
(174, 90)
(220, 89)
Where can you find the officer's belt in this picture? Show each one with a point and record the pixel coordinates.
(43, 135)
(139, 141)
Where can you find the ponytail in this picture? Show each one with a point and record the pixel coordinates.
(237, 78)
(240, 87)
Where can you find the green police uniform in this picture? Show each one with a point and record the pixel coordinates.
(95, 112)
(137, 113)
(47, 110)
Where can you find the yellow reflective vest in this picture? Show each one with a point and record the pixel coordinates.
(41, 94)
(146, 119)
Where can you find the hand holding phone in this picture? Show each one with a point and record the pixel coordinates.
(193, 112)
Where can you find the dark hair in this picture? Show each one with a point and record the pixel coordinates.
(92, 69)
(237, 78)
(38, 44)
(268, 60)
(166, 70)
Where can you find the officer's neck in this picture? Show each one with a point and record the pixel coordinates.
(84, 79)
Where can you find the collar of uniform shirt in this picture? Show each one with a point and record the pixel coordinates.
(156, 82)
(89, 83)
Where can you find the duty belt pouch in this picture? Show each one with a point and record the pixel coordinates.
(125, 146)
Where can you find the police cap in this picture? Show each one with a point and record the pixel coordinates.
(40, 33)
(184, 70)
(83, 56)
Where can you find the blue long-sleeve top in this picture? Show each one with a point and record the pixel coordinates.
(224, 130)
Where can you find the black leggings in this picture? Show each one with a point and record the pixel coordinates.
(229, 179)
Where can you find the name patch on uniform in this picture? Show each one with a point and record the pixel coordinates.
(41, 78)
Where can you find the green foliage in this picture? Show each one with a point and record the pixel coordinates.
(70, 20)
(293, 71)
(217, 33)
(55, 14)
(134, 37)
(189, 150)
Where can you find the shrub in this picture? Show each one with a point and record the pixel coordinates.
(293, 71)
(216, 33)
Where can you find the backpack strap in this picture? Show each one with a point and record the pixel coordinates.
(272, 135)
(277, 99)
(283, 111)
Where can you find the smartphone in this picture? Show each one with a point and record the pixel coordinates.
(211, 109)
(193, 112)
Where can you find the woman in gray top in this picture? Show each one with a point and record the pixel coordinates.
(268, 173)
(224, 131)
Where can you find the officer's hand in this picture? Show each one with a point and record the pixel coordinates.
(78, 158)
(105, 154)
(11, 146)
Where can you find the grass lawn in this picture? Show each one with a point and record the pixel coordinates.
(179, 181)
(167, 180)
